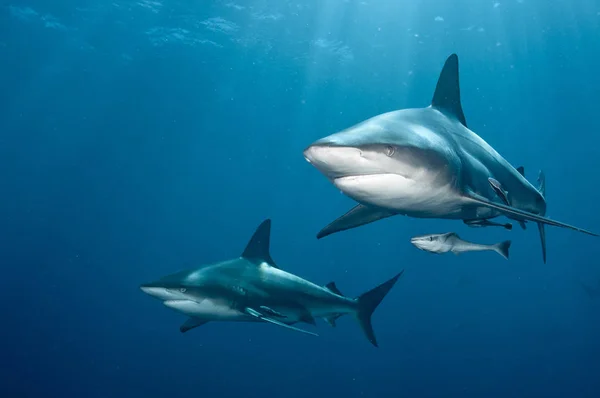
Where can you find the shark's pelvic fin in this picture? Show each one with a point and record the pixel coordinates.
(190, 324)
(259, 315)
(331, 319)
(333, 288)
(447, 91)
(521, 214)
(368, 302)
(357, 216)
(257, 249)
(521, 170)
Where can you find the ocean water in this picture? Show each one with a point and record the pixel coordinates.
(141, 137)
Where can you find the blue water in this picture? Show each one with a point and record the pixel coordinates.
(141, 137)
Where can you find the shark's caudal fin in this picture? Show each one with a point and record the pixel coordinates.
(502, 248)
(357, 216)
(368, 302)
(541, 229)
(521, 214)
(446, 97)
(257, 249)
(190, 324)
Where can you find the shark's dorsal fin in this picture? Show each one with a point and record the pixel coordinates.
(257, 249)
(333, 288)
(521, 170)
(447, 92)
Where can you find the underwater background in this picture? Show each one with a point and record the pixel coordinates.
(138, 138)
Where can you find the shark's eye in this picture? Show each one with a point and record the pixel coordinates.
(182, 289)
(389, 150)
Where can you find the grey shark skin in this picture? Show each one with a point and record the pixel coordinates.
(451, 242)
(252, 288)
(426, 163)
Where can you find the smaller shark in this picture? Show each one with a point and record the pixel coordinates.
(252, 288)
(451, 242)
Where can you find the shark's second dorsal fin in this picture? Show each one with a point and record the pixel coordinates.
(447, 92)
(521, 170)
(333, 288)
(257, 250)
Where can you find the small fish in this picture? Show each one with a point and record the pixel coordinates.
(487, 223)
(451, 242)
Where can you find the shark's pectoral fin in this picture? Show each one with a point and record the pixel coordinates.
(521, 214)
(497, 187)
(357, 216)
(259, 315)
(190, 324)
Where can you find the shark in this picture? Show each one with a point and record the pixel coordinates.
(427, 163)
(253, 288)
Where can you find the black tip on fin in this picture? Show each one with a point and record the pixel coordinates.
(190, 324)
(446, 97)
(257, 249)
(368, 302)
(357, 216)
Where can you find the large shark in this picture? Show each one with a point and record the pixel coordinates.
(252, 288)
(426, 163)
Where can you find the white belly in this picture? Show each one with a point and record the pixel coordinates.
(206, 309)
(410, 197)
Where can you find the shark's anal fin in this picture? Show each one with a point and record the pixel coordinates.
(497, 187)
(190, 324)
(446, 97)
(521, 214)
(259, 315)
(357, 216)
(522, 224)
(257, 249)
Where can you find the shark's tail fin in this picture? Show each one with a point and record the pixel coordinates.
(502, 248)
(368, 302)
